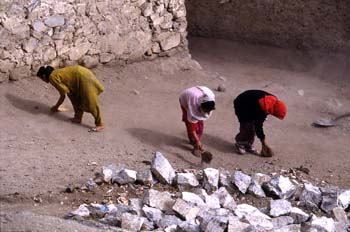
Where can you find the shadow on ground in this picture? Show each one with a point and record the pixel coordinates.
(217, 143)
(36, 108)
(161, 140)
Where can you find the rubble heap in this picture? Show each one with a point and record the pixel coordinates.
(204, 200)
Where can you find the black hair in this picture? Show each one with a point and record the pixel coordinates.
(44, 72)
(208, 106)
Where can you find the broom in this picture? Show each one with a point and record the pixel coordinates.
(206, 156)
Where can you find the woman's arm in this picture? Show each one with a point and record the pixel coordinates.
(54, 109)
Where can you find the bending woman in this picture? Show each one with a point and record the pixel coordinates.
(82, 88)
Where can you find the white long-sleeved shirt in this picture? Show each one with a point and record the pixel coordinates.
(192, 98)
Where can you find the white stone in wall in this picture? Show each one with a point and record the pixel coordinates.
(58, 35)
(146, 9)
(46, 41)
(28, 59)
(39, 26)
(160, 9)
(170, 42)
(6, 65)
(156, 19)
(156, 48)
(50, 32)
(140, 2)
(19, 73)
(16, 27)
(49, 54)
(62, 8)
(79, 51)
(10, 22)
(106, 57)
(54, 21)
(61, 48)
(36, 34)
(119, 46)
(183, 27)
(168, 21)
(16, 56)
(21, 31)
(181, 12)
(5, 40)
(102, 7)
(90, 61)
(80, 9)
(30, 45)
(142, 41)
(175, 4)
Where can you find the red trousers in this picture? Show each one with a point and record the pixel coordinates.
(197, 127)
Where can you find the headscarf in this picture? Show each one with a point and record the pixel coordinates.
(207, 96)
(271, 105)
(192, 98)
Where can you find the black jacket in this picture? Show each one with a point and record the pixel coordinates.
(247, 109)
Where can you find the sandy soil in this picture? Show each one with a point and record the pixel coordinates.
(41, 153)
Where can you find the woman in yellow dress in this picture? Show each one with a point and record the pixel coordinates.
(82, 88)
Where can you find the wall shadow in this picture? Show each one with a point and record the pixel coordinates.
(157, 139)
(34, 107)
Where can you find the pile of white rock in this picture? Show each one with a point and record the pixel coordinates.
(204, 201)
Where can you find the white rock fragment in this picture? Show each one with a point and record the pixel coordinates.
(162, 169)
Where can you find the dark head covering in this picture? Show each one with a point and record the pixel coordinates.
(44, 72)
(208, 106)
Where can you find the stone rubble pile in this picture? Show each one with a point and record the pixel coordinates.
(203, 200)
(66, 32)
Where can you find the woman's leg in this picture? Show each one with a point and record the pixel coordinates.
(96, 113)
(200, 129)
(78, 113)
(188, 125)
(245, 137)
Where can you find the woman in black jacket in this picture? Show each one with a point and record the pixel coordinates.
(252, 108)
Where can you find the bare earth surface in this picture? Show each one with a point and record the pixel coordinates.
(41, 153)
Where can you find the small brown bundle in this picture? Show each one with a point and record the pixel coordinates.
(207, 156)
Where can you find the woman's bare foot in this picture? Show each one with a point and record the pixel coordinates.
(97, 128)
(75, 120)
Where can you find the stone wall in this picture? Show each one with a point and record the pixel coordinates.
(303, 24)
(88, 32)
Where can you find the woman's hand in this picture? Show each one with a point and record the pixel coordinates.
(266, 151)
(198, 145)
(54, 109)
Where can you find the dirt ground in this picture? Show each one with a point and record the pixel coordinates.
(41, 153)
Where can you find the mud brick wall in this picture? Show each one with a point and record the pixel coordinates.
(88, 32)
(306, 24)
